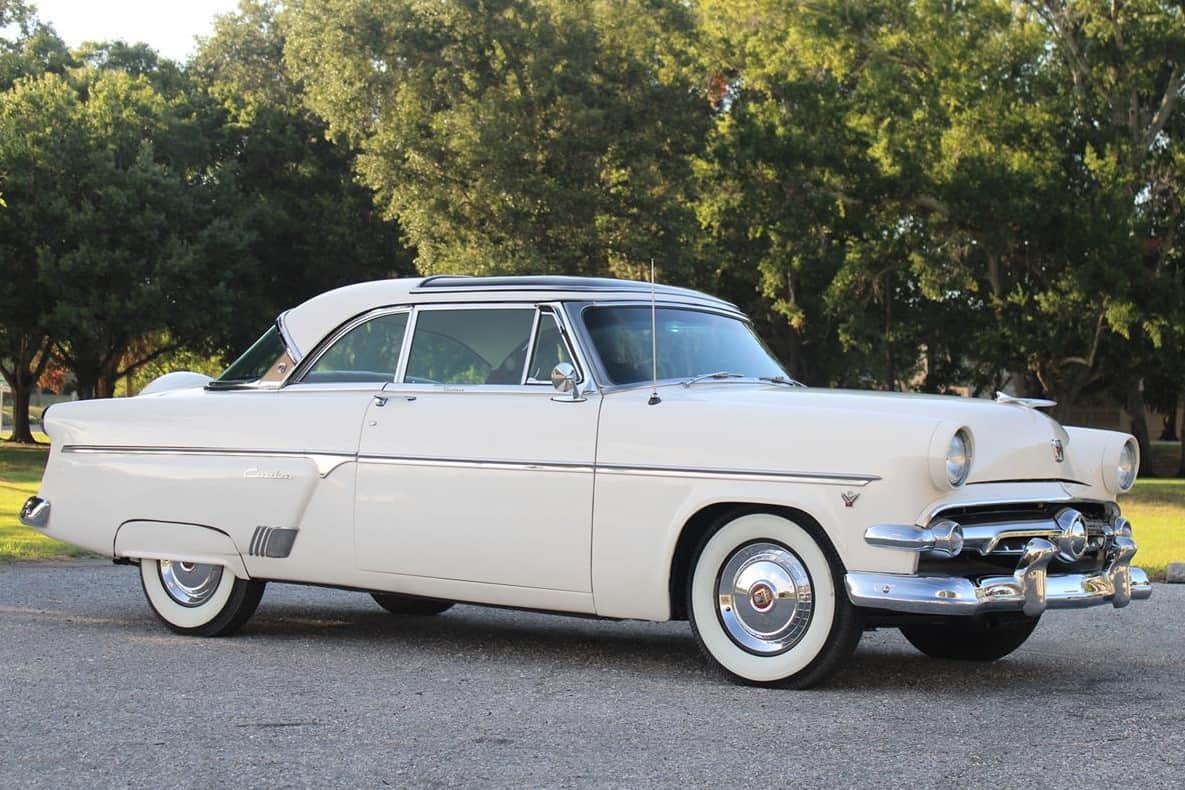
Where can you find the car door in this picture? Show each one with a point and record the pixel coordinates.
(471, 467)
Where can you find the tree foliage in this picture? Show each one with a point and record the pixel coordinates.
(543, 136)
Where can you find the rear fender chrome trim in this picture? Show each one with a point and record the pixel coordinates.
(326, 462)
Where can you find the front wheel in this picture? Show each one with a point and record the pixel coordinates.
(971, 639)
(198, 599)
(766, 602)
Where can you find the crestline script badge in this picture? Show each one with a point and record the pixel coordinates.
(255, 473)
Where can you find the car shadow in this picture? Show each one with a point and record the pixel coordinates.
(529, 640)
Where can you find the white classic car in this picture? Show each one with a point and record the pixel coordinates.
(512, 442)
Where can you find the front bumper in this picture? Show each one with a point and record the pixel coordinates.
(1030, 589)
(1064, 537)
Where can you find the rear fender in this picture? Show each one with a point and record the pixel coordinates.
(163, 540)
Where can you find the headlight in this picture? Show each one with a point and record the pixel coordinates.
(958, 458)
(1129, 461)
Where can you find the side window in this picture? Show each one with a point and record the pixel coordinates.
(549, 349)
(481, 346)
(368, 352)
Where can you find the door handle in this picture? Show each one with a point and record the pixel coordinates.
(381, 400)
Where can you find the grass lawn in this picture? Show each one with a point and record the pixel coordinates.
(1156, 509)
(20, 474)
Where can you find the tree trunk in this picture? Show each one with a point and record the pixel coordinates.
(1135, 409)
(1169, 429)
(21, 392)
(890, 362)
(1181, 463)
(88, 382)
(105, 387)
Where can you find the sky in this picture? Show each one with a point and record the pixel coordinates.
(168, 26)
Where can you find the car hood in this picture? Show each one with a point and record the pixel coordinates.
(848, 430)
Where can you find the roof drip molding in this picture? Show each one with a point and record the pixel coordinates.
(305, 325)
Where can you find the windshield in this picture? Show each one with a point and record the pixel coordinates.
(256, 361)
(690, 343)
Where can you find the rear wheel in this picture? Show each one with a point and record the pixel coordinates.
(396, 603)
(198, 599)
(766, 601)
(971, 639)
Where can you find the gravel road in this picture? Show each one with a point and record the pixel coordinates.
(323, 688)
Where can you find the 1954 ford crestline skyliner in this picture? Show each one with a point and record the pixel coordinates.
(510, 441)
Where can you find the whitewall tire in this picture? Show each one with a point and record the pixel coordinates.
(767, 604)
(197, 599)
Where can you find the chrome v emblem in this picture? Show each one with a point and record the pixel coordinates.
(849, 498)
(1059, 450)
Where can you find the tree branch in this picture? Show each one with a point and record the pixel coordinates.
(160, 352)
(1172, 93)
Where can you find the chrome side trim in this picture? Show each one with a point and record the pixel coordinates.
(326, 461)
(485, 463)
(35, 512)
(822, 478)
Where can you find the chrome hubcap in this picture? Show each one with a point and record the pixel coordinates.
(765, 598)
(189, 583)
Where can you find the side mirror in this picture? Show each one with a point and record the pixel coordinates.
(565, 379)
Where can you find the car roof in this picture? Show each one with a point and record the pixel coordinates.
(306, 324)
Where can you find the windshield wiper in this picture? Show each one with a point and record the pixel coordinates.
(720, 374)
(782, 380)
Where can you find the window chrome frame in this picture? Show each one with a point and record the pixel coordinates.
(552, 311)
(524, 385)
(572, 340)
(299, 371)
(596, 364)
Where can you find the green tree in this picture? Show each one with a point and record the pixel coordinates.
(26, 47)
(38, 149)
(112, 221)
(308, 224)
(513, 135)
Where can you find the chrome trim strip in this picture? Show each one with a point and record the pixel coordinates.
(460, 463)
(823, 478)
(326, 461)
(289, 343)
(935, 509)
(301, 369)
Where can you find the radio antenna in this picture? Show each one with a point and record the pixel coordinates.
(654, 399)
